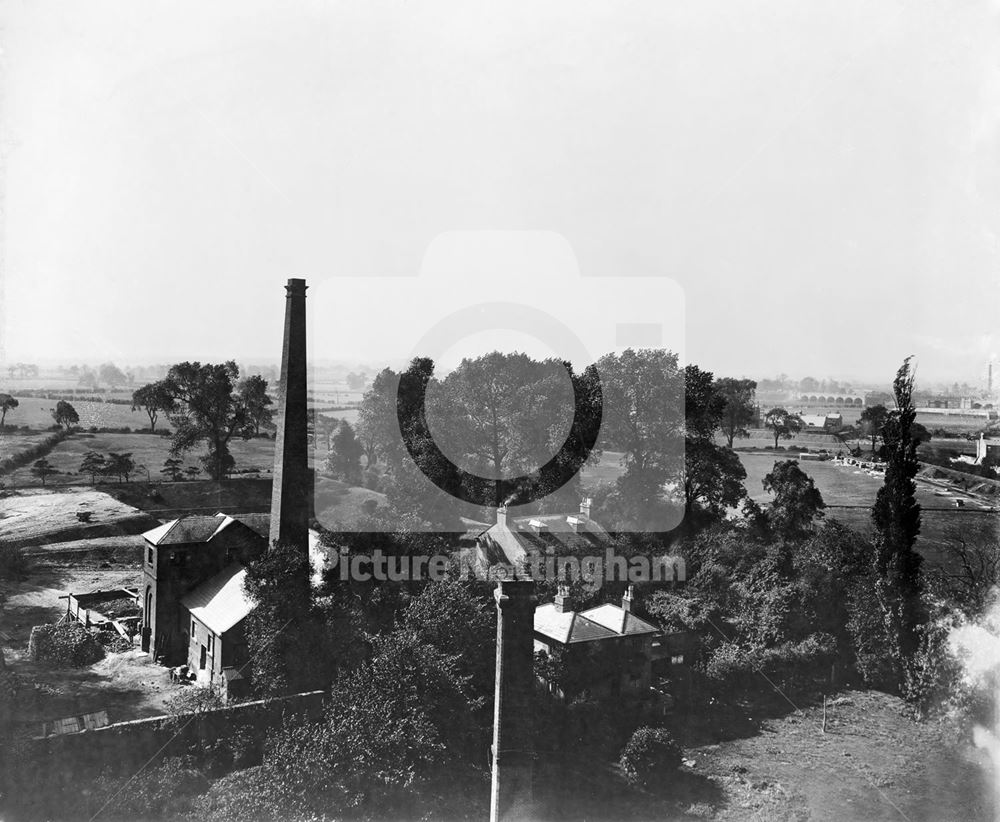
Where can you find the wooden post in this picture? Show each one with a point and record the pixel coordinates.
(824, 713)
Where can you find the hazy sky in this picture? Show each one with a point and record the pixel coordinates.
(806, 187)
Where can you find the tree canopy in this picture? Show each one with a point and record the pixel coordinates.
(65, 414)
(210, 410)
(7, 403)
(896, 516)
(872, 420)
(783, 424)
(797, 500)
(154, 398)
(738, 412)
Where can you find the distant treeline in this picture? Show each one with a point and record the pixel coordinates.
(96, 395)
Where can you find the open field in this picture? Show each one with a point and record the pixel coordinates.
(348, 414)
(850, 494)
(13, 442)
(37, 413)
(168, 500)
(252, 456)
(147, 450)
(40, 516)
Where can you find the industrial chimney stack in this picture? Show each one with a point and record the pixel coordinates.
(511, 797)
(291, 494)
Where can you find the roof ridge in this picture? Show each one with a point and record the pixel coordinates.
(172, 524)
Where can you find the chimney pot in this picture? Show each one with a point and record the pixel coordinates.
(563, 600)
(502, 516)
(628, 598)
(585, 506)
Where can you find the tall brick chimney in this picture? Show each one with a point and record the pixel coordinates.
(511, 797)
(291, 495)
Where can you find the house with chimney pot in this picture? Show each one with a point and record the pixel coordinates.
(511, 540)
(609, 645)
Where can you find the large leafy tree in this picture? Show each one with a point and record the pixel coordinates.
(713, 474)
(704, 404)
(120, 465)
(644, 417)
(377, 426)
(872, 420)
(782, 424)
(257, 402)
(896, 516)
(344, 460)
(738, 412)
(713, 478)
(154, 398)
(210, 410)
(43, 469)
(797, 500)
(500, 412)
(65, 414)
(460, 621)
(93, 463)
(399, 739)
(112, 376)
(7, 403)
(173, 468)
(287, 633)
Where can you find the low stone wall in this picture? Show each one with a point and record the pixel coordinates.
(31, 769)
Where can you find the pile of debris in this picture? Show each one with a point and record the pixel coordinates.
(66, 643)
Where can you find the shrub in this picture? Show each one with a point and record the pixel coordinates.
(65, 644)
(245, 796)
(651, 754)
(166, 791)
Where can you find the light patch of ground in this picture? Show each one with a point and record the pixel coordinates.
(126, 685)
(873, 763)
(41, 515)
(129, 545)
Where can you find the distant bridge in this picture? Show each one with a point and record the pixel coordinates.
(839, 400)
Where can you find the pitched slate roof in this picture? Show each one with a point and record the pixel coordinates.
(568, 627)
(603, 622)
(220, 602)
(521, 536)
(186, 530)
(619, 620)
(260, 524)
(197, 529)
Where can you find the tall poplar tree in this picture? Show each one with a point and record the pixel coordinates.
(896, 515)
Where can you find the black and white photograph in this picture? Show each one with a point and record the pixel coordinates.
(500, 412)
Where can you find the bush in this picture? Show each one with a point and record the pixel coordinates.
(651, 754)
(166, 791)
(66, 644)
